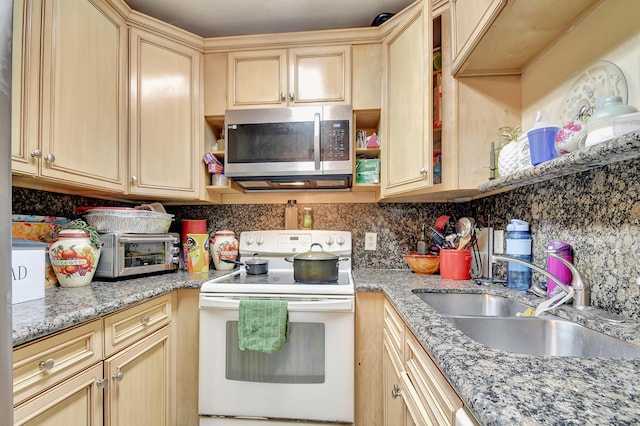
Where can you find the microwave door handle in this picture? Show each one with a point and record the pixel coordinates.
(316, 140)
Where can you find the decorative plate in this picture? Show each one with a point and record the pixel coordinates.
(600, 80)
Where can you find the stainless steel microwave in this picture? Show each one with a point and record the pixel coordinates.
(293, 148)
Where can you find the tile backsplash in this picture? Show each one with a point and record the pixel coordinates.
(597, 212)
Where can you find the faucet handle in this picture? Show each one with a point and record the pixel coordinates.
(582, 297)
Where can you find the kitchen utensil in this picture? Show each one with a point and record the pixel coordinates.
(464, 242)
(315, 267)
(443, 223)
(464, 226)
(254, 266)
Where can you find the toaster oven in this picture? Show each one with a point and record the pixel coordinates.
(127, 255)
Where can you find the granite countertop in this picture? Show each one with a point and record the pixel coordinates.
(65, 307)
(502, 388)
(498, 387)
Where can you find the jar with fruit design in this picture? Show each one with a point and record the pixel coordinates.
(224, 245)
(74, 258)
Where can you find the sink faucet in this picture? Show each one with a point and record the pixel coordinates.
(579, 286)
(581, 290)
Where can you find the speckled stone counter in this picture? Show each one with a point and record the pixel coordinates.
(65, 307)
(502, 388)
(499, 388)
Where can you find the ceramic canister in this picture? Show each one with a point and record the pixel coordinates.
(73, 258)
(224, 245)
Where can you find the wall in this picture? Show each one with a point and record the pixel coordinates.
(597, 212)
(611, 32)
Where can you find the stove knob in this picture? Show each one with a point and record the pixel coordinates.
(329, 240)
(249, 241)
(260, 241)
(340, 241)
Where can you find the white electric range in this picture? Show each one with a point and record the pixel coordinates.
(312, 378)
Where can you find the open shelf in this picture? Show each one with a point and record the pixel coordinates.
(622, 148)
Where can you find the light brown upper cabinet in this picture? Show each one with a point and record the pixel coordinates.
(165, 117)
(69, 103)
(500, 37)
(406, 129)
(288, 77)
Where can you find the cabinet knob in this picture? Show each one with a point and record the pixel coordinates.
(291, 96)
(283, 96)
(102, 383)
(118, 376)
(36, 154)
(396, 392)
(49, 158)
(48, 364)
(423, 171)
(145, 319)
(134, 179)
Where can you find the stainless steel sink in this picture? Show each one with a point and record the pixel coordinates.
(542, 336)
(473, 304)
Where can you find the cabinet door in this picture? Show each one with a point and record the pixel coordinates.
(165, 117)
(394, 406)
(470, 21)
(25, 140)
(257, 78)
(83, 101)
(141, 389)
(77, 401)
(319, 75)
(406, 142)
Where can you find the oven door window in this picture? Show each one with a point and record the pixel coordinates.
(144, 253)
(302, 360)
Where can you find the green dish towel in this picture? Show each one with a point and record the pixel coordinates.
(263, 325)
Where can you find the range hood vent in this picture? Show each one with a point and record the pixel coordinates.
(294, 183)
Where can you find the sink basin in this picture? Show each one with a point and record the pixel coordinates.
(543, 336)
(473, 304)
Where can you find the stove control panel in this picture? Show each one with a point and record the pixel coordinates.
(287, 242)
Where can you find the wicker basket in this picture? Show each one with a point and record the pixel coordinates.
(129, 221)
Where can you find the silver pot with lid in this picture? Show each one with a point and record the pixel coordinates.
(315, 267)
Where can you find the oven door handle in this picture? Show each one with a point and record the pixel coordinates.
(326, 305)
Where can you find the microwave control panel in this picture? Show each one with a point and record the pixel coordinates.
(335, 140)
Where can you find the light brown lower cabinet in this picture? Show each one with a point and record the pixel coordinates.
(117, 370)
(412, 389)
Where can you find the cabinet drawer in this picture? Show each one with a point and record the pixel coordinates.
(394, 326)
(126, 327)
(41, 364)
(439, 398)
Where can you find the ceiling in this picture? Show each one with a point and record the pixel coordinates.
(216, 18)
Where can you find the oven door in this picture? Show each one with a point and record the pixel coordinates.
(310, 379)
